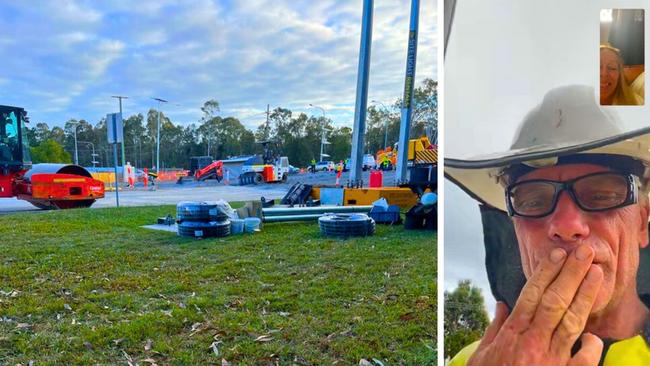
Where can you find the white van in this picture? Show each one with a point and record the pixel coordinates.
(368, 162)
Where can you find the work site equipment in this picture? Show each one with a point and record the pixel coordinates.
(214, 229)
(389, 215)
(298, 194)
(212, 171)
(268, 168)
(282, 214)
(200, 211)
(202, 219)
(422, 164)
(402, 197)
(199, 162)
(342, 225)
(46, 186)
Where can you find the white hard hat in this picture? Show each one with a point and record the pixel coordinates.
(567, 127)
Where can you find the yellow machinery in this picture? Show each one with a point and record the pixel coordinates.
(402, 197)
(421, 151)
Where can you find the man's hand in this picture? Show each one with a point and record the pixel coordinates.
(550, 315)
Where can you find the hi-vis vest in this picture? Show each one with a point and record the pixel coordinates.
(627, 352)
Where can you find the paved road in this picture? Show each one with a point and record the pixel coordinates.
(171, 193)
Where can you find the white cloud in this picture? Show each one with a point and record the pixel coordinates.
(151, 37)
(71, 11)
(104, 54)
(244, 54)
(72, 38)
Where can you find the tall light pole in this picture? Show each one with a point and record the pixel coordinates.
(360, 105)
(122, 118)
(407, 100)
(385, 125)
(93, 162)
(76, 156)
(158, 135)
(322, 133)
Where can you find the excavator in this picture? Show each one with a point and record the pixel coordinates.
(46, 186)
(212, 171)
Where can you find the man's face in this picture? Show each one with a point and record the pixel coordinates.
(615, 235)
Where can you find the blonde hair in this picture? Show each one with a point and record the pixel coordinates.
(623, 95)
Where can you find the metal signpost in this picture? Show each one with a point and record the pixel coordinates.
(114, 127)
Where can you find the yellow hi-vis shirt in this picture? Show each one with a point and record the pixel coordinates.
(627, 352)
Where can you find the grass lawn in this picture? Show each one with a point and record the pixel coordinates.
(90, 286)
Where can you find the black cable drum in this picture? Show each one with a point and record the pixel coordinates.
(202, 219)
(204, 229)
(346, 225)
(199, 212)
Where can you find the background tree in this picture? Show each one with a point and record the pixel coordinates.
(340, 147)
(298, 134)
(49, 151)
(134, 133)
(263, 132)
(210, 109)
(465, 317)
(424, 119)
(208, 128)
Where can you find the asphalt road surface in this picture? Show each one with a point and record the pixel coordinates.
(172, 193)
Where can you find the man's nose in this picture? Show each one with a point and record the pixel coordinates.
(568, 222)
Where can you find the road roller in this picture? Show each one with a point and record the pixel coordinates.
(46, 186)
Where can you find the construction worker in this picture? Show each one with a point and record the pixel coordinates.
(339, 172)
(576, 197)
(313, 165)
(385, 163)
(129, 175)
(153, 176)
(145, 177)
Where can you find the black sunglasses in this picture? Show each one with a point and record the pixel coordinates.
(592, 192)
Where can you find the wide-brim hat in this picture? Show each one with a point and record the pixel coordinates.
(568, 122)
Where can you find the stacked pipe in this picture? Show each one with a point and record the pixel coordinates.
(284, 214)
(201, 219)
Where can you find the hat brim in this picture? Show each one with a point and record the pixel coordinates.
(479, 176)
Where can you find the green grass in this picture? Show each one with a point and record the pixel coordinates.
(92, 287)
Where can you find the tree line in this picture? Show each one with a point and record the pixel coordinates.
(297, 135)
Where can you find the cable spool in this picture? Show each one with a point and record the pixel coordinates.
(193, 211)
(204, 229)
(199, 211)
(346, 225)
(216, 212)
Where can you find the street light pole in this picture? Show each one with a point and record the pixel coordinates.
(76, 156)
(93, 154)
(385, 124)
(121, 117)
(322, 133)
(158, 135)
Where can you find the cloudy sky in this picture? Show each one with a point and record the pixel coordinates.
(64, 59)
